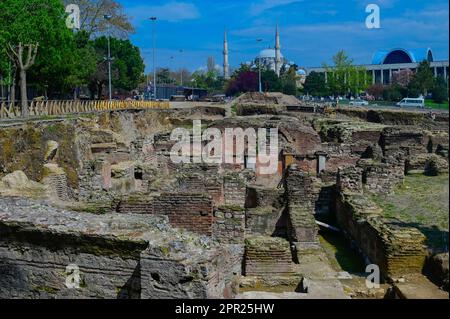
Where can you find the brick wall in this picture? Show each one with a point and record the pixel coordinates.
(135, 205)
(300, 196)
(266, 256)
(193, 212)
(392, 245)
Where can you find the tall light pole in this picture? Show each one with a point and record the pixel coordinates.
(181, 73)
(107, 18)
(259, 68)
(154, 55)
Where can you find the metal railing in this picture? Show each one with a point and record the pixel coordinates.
(54, 108)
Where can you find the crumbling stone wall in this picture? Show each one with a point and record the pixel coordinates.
(265, 212)
(403, 141)
(382, 177)
(125, 257)
(95, 181)
(229, 224)
(395, 247)
(300, 199)
(349, 180)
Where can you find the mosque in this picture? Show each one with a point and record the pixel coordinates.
(270, 58)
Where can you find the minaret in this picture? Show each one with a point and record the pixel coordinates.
(277, 53)
(226, 66)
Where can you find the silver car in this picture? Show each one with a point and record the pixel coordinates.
(359, 102)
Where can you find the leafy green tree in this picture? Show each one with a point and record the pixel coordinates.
(440, 91)
(270, 81)
(127, 67)
(315, 84)
(423, 80)
(42, 23)
(394, 93)
(209, 80)
(344, 77)
(289, 81)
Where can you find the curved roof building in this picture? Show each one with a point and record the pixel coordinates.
(386, 62)
(398, 56)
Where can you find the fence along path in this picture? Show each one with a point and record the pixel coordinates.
(49, 108)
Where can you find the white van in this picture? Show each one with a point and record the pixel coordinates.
(409, 102)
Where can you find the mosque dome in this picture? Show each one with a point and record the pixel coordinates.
(268, 54)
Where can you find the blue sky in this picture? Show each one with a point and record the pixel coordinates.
(312, 31)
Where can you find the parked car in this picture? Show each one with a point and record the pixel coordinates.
(359, 102)
(410, 102)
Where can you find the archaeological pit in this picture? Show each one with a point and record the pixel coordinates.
(99, 193)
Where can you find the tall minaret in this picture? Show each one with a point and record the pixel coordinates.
(277, 52)
(226, 66)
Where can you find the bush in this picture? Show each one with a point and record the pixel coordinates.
(394, 93)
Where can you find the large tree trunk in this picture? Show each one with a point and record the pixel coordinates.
(22, 65)
(23, 93)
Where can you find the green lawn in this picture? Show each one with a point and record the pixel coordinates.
(422, 202)
(433, 105)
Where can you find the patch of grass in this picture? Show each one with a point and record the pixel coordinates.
(234, 109)
(437, 106)
(421, 202)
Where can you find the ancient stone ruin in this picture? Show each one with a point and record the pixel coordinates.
(98, 197)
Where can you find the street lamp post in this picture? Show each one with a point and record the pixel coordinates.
(259, 68)
(154, 56)
(181, 73)
(108, 17)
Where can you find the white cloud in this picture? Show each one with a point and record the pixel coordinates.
(172, 11)
(261, 6)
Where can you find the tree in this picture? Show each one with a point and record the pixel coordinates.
(244, 79)
(402, 77)
(315, 84)
(376, 90)
(439, 91)
(289, 81)
(270, 81)
(23, 62)
(127, 67)
(164, 76)
(423, 80)
(93, 21)
(210, 81)
(38, 21)
(394, 93)
(344, 77)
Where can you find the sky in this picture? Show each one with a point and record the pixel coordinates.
(312, 31)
